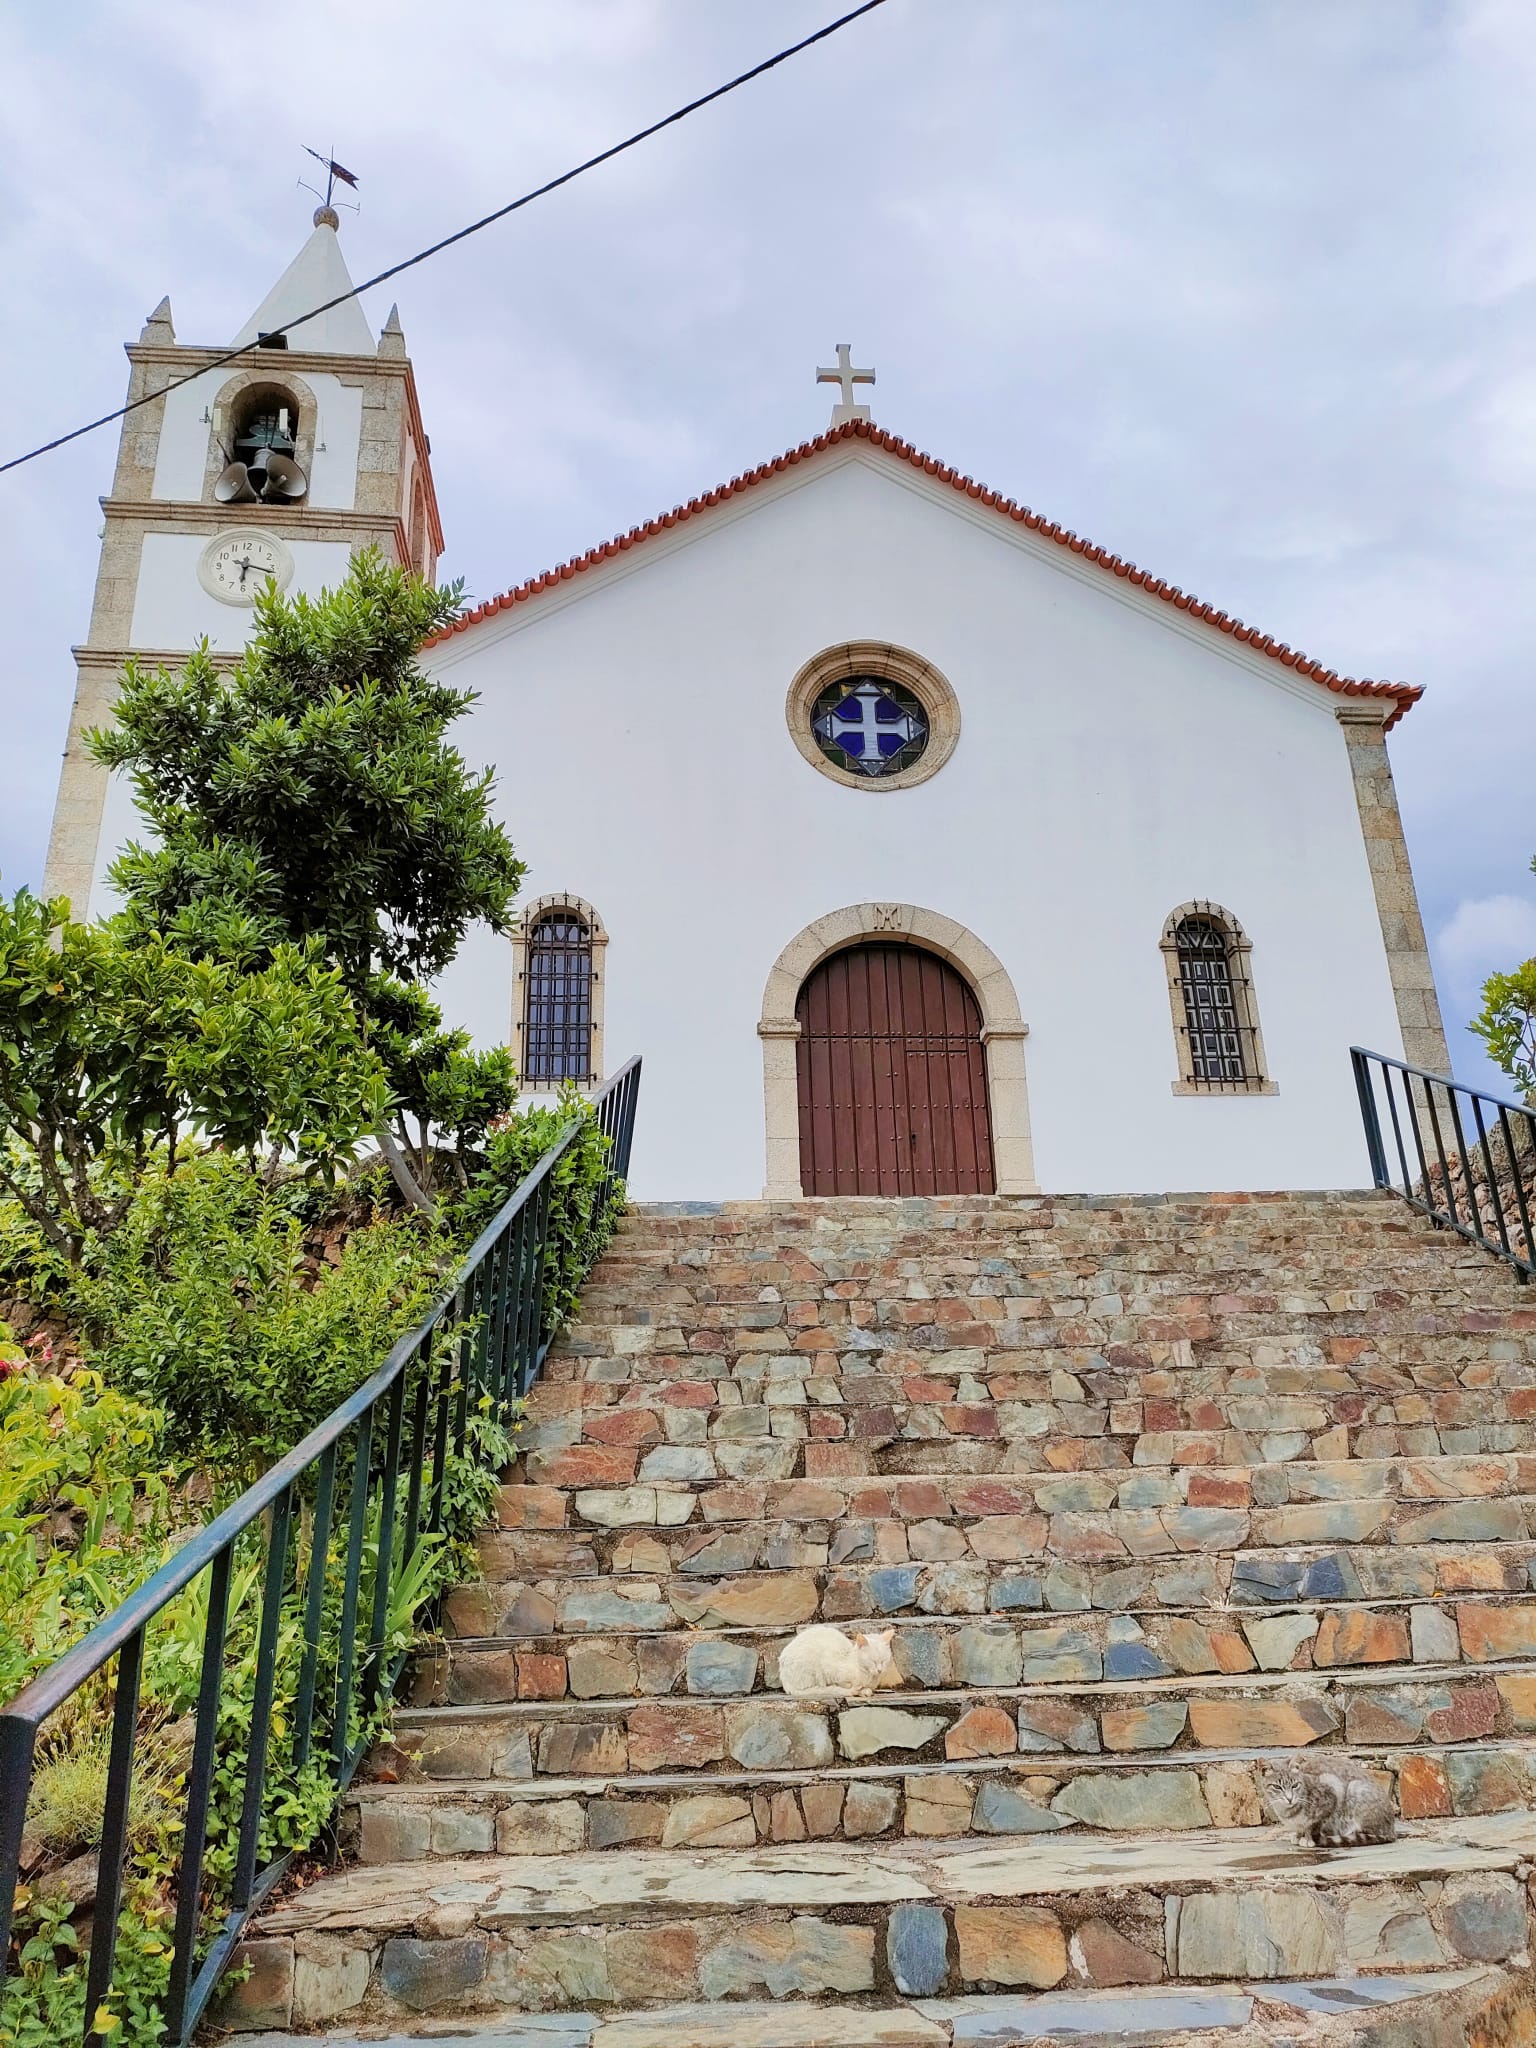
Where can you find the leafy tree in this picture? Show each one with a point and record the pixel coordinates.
(114, 1044)
(1507, 1024)
(435, 1074)
(312, 793)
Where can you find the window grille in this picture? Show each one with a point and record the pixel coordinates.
(557, 1037)
(1210, 1002)
(1215, 1016)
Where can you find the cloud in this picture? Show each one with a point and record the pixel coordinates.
(1486, 934)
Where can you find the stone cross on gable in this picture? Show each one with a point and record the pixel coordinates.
(846, 376)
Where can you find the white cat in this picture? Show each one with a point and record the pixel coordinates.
(823, 1663)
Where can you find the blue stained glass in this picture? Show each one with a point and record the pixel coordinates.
(870, 724)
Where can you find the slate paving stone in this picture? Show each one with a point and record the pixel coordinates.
(1486, 1781)
(1157, 1726)
(986, 1655)
(1434, 1635)
(894, 1587)
(1169, 1799)
(1485, 1918)
(715, 1667)
(1057, 1724)
(747, 2025)
(1002, 1809)
(778, 1738)
(427, 1974)
(917, 1950)
(1276, 1639)
(1127, 1653)
(1130, 2020)
(867, 1731)
(798, 1958)
(1010, 1945)
(1277, 1933)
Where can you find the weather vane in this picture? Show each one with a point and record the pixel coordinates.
(333, 171)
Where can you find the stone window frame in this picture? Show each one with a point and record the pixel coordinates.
(1003, 1032)
(875, 658)
(221, 429)
(1244, 1003)
(529, 914)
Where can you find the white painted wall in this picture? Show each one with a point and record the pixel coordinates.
(172, 609)
(338, 437)
(181, 463)
(182, 460)
(1115, 760)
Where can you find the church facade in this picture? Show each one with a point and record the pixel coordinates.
(919, 846)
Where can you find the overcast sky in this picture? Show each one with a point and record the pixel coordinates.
(1244, 291)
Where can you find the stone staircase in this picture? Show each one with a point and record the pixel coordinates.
(1148, 1491)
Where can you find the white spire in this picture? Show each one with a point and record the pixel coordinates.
(317, 273)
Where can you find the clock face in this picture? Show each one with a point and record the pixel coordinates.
(237, 567)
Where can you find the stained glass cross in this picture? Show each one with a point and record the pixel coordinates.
(869, 727)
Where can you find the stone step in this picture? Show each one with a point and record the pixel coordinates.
(1004, 1516)
(760, 1444)
(962, 1497)
(1053, 1706)
(812, 1921)
(953, 1225)
(1217, 1301)
(1223, 1285)
(1332, 2012)
(657, 1529)
(473, 1664)
(1403, 1337)
(631, 1600)
(1069, 1392)
(433, 1816)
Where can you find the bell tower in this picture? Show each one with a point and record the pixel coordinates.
(278, 466)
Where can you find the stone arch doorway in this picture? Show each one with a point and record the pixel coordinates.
(891, 926)
(891, 1078)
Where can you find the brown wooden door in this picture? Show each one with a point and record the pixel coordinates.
(892, 1078)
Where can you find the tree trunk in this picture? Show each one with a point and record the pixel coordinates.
(405, 1180)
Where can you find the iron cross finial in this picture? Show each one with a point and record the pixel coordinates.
(846, 376)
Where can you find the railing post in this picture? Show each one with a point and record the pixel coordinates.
(273, 1578)
(114, 1829)
(18, 1745)
(194, 1834)
(1370, 1116)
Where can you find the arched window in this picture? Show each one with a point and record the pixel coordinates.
(1215, 1017)
(557, 1024)
(257, 431)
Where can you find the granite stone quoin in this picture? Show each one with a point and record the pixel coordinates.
(1148, 1491)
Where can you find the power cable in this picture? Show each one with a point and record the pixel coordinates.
(462, 234)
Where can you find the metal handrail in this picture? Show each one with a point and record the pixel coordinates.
(483, 1338)
(1430, 1138)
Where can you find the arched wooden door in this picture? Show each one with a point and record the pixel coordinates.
(892, 1077)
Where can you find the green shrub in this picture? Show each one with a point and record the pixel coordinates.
(84, 1509)
(44, 2001)
(204, 1307)
(580, 1225)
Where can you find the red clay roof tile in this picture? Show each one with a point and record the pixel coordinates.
(1403, 695)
